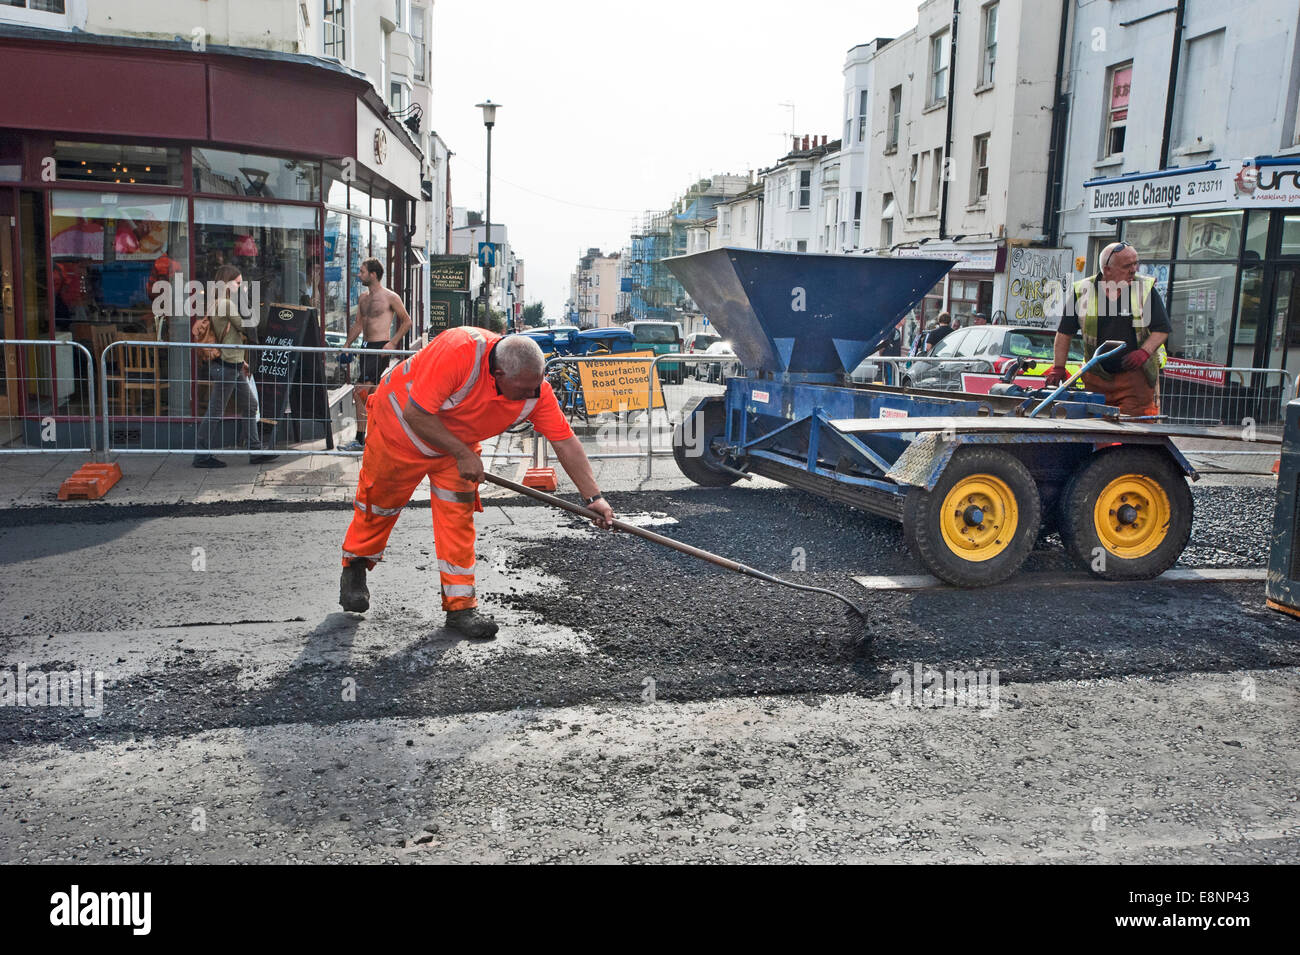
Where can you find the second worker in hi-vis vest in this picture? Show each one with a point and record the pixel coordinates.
(427, 417)
(1117, 304)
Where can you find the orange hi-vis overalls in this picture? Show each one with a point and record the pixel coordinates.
(448, 377)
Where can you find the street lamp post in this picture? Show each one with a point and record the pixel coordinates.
(489, 119)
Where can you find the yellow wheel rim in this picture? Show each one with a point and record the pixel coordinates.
(1132, 516)
(979, 517)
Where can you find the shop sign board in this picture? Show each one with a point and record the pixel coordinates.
(292, 383)
(1036, 282)
(449, 275)
(1239, 184)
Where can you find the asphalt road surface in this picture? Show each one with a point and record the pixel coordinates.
(638, 705)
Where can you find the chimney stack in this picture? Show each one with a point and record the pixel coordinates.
(805, 143)
(794, 147)
(823, 140)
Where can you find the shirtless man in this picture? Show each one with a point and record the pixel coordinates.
(376, 309)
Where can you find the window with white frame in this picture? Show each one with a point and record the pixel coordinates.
(857, 219)
(862, 116)
(724, 223)
(895, 116)
(1119, 79)
(805, 188)
(911, 183)
(744, 222)
(396, 96)
(938, 68)
(936, 180)
(989, 54)
(38, 6)
(887, 220)
(801, 246)
(332, 19)
(980, 169)
(421, 52)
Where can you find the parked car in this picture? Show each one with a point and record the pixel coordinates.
(722, 370)
(988, 349)
(699, 341)
(663, 338)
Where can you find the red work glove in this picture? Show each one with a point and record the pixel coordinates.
(1136, 359)
(1055, 376)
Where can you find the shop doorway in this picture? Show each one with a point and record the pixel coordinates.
(9, 383)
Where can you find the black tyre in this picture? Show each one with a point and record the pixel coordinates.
(979, 523)
(1126, 514)
(907, 381)
(695, 445)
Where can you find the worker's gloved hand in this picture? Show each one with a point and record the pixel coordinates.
(470, 466)
(1055, 376)
(606, 513)
(1136, 359)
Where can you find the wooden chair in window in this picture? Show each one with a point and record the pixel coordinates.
(140, 374)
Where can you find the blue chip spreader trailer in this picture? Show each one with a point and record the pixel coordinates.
(974, 479)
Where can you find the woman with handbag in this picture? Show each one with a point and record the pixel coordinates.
(227, 370)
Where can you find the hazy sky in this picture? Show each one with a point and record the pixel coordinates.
(609, 109)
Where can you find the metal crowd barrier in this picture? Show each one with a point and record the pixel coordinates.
(55, 408)
(1230, 397)
(155, 399)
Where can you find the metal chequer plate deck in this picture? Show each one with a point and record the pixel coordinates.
(1003, 423)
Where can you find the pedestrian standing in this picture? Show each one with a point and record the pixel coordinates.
(228, 373)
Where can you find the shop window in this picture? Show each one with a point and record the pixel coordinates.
(111, 163)
(1118, 81)
(1212, 235)
(262, 177)
(108, 252)
(1257, 234)
(1290, 235)
(275, 247)
(1153, 238)
(1200, 312)
(336, 278)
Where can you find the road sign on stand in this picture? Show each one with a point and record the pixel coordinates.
(487, 255)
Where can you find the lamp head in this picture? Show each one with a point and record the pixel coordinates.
(489, 112)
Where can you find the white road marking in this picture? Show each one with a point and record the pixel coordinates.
(1176, 575)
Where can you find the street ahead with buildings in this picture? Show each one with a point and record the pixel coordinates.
(1075, 628)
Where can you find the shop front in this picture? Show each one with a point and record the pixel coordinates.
(976, 282)
(121, 204)
(1222, 241)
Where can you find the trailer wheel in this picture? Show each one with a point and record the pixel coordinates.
(695, 450)
(979, 523)
(1126, 514)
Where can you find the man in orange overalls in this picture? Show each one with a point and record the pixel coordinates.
(427, 418)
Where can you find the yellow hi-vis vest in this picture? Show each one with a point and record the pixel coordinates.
(1086, 307)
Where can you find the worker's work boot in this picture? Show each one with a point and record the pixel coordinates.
(470, 623)
(353, 593)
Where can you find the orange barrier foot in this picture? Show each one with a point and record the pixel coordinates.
(90, 482)
(541, 478)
